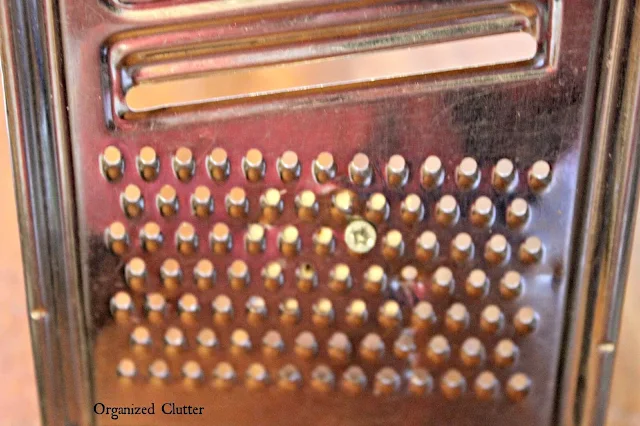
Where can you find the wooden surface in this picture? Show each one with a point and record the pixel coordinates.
(18, 403)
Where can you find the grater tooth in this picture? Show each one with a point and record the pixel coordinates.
(397, 171)
(140, 336)
(453, 384)
(503, 176)
(457, 318)
(344, 205)
(186, 239)
(377, 208)
(526, 320)
(339, 348)
(393, 245)
(372, 348)
(323, 312)
(256, 376)
(272, 276)
(431, 173)
(539, 175)
(340, 280)
(442, 281)
(289, 311)
(222, 308)
(253, 165)
(117, 238)
(324, 241)
(472, 352)
(505, 353)
(289, 378)
(423, 316)
(112, 163)
(255, 239)
(307, 278)
(202, 202)
(518, 386)
(135, 273)
(184, 165)
(167, 201)
(511, 285)
(360, 171)
(322, 379)
(412, 209)
(306, 205)
(188, 306)
(486, 386)
(462, 248)
(204, 274)
(240, 342)
(467, 174)
(132, 201)
(517, 213)
(289, 241)
(271, 204)
(220, 238)
(238, 275)
(306, 345)
(171, 274)
(531, 250)
(405, 345)
(256, 310)
(438, 349)
(354, 380)
(218, 165)
(121, 305)
(497, 250)
(491, 319)
(174, 338)
(127, 368)
(207, 339)
(420, 382)
(390, 314)
(288, 166)
(375, 279)
(155, 305)
(237, 203)
(224, 375)
(148, 163)
(387, 382)
(482, 212)
(447, 211)
(356, 313)
(272, 344)
(427, 246)
(159, 370)
(192, 372)
(324, 167)
(477, 283)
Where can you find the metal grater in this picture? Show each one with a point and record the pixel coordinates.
(440, 243)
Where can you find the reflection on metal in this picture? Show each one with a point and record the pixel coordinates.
(205, 245)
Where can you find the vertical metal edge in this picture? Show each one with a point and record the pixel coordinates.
(602, 238)
(36, 110)
(619, 223)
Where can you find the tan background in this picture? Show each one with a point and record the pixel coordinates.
(18, 403)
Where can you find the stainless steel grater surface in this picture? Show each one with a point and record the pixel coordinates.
(314, 212)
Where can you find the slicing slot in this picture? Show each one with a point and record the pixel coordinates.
(234, 64)
(333, 71)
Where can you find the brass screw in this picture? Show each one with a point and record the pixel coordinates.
(360, 236)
